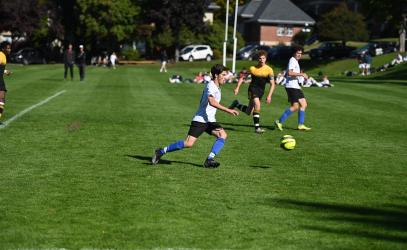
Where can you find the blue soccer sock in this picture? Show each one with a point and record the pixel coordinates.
(285, 115)
(173, 147)
(301, 117)
(217, 146)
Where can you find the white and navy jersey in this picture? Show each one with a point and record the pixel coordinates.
(292, 81)
(206, 113)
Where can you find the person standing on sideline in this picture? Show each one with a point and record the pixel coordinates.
(81, 61)
(164, 60)
(5, 50)
(204, 120)
(260, 75)
(113, 59)
(295, 95)
(69, 60)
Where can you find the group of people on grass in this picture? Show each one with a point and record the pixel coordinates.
(261, 75)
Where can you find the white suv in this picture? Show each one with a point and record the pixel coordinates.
(196, 52)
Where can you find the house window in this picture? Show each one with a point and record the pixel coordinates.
(285, 31)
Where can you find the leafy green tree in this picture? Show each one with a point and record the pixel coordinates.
(183, 17)
(342, 24)
(387, 13)
(30, 17)
(222, 3)
(164, 39)
(216, 36)
(107, 22)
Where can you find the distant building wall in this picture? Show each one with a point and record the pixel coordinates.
(278, 34)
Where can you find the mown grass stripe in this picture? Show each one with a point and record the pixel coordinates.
(18, 115)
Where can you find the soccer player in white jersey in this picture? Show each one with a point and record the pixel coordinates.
(204, 120)
(295, 95)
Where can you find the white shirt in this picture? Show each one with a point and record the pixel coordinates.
(206, 112)
(292, 82)
(113, 58)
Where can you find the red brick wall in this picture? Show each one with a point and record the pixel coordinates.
(268, 35)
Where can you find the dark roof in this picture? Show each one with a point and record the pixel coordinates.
(274, 11)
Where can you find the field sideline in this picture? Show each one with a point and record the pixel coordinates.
(76, 173)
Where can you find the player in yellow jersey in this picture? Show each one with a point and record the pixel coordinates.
(261, 74)
(5, 50)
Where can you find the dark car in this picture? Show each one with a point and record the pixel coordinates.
(245, 52)
(280, 52)
(375, 49)
(329, 50)
(253, 55)
(28, 56)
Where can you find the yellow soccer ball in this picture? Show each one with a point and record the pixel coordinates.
(287, 142)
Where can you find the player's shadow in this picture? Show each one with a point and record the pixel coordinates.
(249, 125)
(258, 166)
(226, 128)
(385, 223)
(147, 161)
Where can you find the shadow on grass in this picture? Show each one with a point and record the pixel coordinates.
(223, 126)
(263, 167)
(147, 161)
(370, 81)
(388, 223)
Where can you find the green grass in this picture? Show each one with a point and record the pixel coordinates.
(75, 172)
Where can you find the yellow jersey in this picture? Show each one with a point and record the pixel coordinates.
(261, 75)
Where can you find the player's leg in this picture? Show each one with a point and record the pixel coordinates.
(293, 99)
(71, 70)
(195, 130)
(256, 115)
(301, 114)
(2, 101)
(65, 71)
(221, 136)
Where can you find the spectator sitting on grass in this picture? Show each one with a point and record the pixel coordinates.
(175, 79)
(199, 78)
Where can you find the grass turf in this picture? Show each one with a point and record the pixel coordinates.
(75, 172)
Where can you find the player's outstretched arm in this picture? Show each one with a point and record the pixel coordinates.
(212, 101)
(239, 83)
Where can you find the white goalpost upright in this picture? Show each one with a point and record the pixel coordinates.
(234, 38)
(226, 32)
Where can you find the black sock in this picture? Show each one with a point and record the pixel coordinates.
(242, 107)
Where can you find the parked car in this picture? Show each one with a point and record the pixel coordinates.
(28, 56)
(329, 50)
(375, 48)
(196, 52)
(253, 52)
(246, 52)
(280, 52)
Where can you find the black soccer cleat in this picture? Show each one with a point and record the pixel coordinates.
(234, 104)
(211, 163)
(157, 156)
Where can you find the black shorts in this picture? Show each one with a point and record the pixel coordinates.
(197, 128)
(2, 86)
(294, 95)
(254, 92)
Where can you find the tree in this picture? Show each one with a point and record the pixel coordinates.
(177, 15)
(385, 14)
(342, 24)
(106, 23)
(222, 3)
(24, 17)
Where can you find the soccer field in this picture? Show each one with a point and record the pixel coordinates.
(75, 168)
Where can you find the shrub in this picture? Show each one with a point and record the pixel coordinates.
(130, 54)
